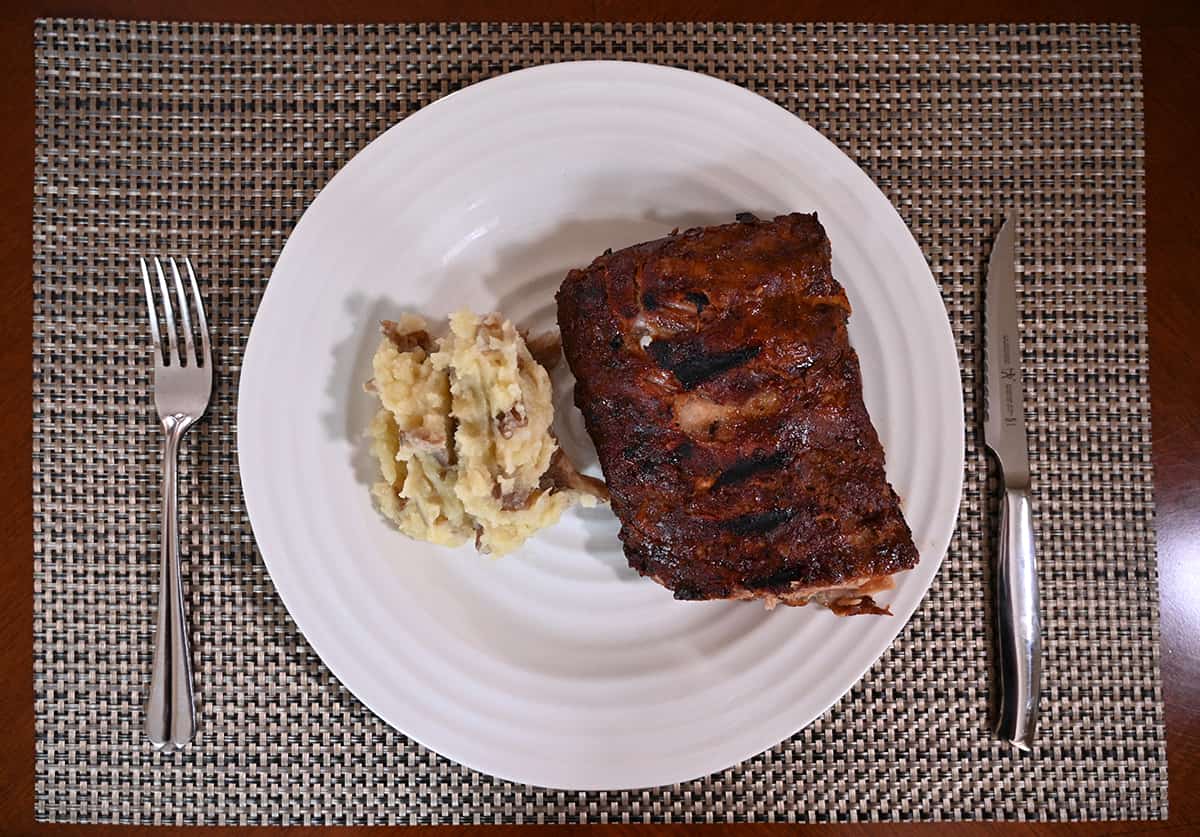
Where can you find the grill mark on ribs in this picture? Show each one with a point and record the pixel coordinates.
(688, 361)
(746, 468)
(717, 380)
(698, 299)
(758, 523)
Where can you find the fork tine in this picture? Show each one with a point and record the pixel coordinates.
(190, 359)
(200, 318)
(173, 335)
(150, 307)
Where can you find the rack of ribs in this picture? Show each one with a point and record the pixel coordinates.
(716, 378)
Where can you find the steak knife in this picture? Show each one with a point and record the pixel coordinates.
(1018, 622)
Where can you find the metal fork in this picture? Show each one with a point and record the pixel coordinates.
(182, 386)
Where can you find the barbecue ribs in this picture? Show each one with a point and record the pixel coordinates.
(717, 381)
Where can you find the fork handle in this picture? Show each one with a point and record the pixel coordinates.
(170, 708)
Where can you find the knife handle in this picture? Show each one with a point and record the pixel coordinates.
(1019, 626)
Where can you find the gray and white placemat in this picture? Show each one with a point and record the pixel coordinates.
(213, 138)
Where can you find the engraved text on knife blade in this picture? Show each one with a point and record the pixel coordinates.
(1008, 374)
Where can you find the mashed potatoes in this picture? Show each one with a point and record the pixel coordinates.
(463, 437)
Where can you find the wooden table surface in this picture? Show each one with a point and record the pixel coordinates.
(1171, 64)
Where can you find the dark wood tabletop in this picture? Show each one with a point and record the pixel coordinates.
(1171, 66)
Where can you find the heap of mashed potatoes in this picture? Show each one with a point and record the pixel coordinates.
(463, 436)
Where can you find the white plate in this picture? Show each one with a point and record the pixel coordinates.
(557, 666)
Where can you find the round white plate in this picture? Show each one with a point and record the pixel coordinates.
(557, 665)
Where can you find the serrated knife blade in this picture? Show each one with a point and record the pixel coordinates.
(1018, 619)
(1004, 405)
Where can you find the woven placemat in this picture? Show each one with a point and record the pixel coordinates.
(212, 139)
